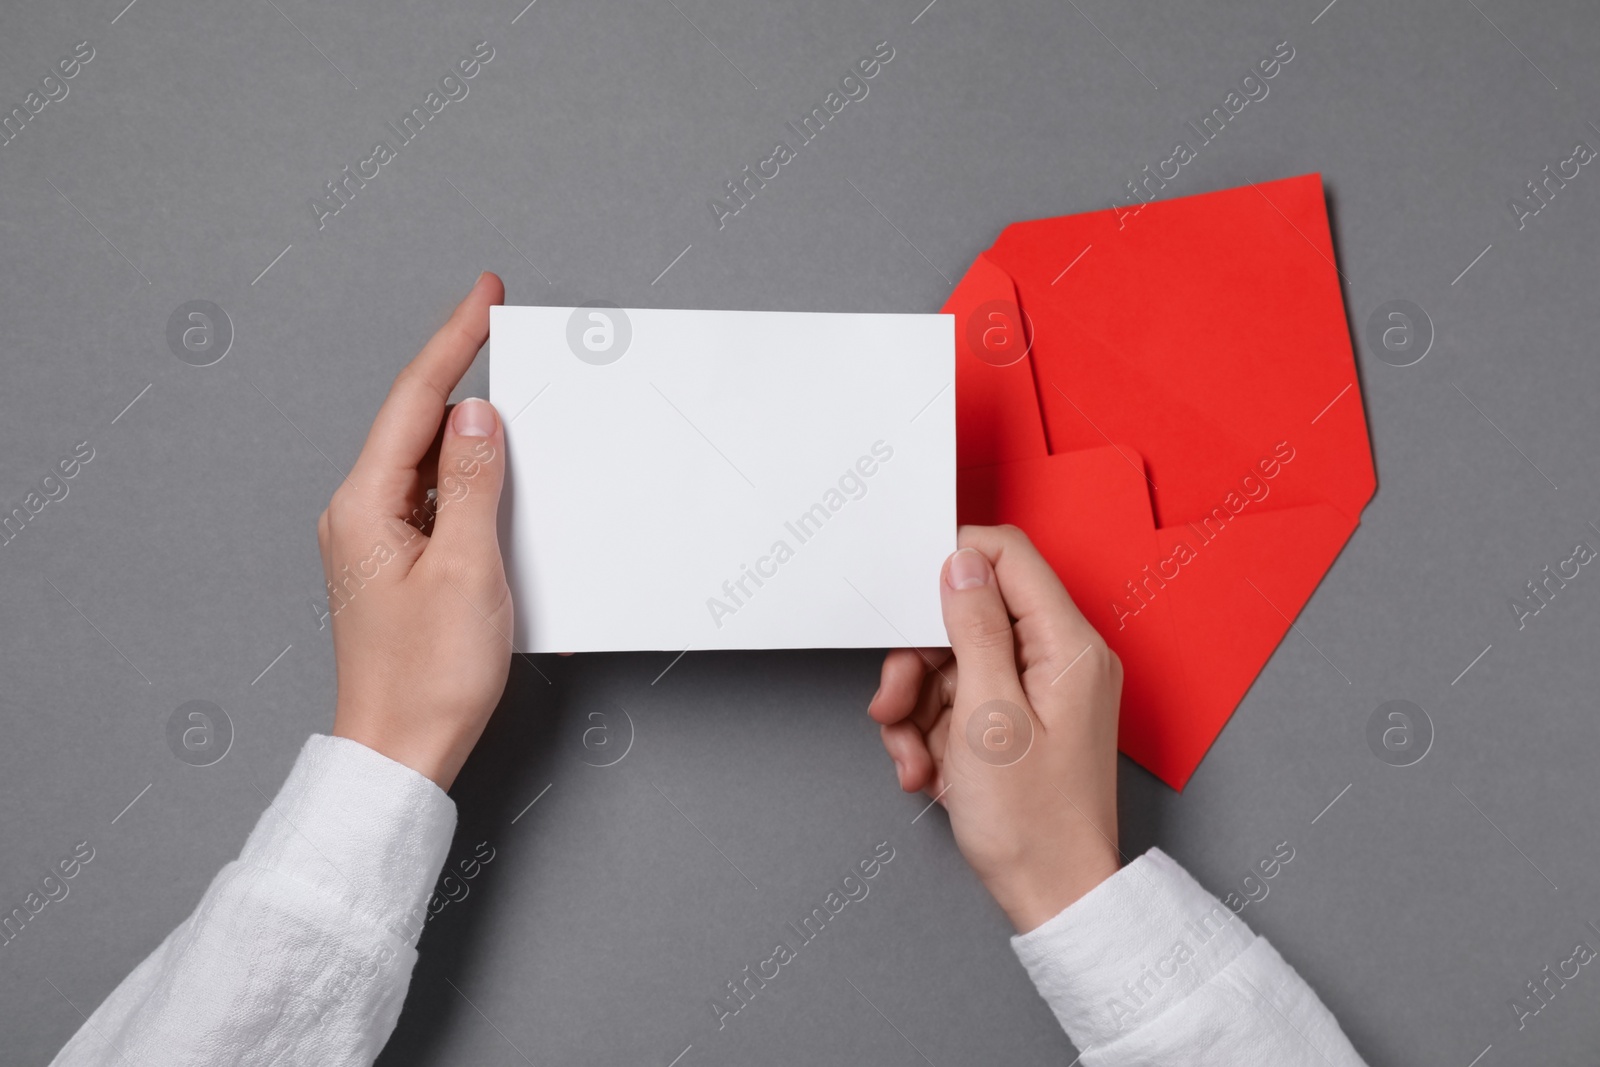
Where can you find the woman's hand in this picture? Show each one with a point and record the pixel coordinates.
(1014, 728)
(421, 611)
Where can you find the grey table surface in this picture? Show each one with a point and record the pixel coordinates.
(181, 165)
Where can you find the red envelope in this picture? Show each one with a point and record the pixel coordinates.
(1166, 401)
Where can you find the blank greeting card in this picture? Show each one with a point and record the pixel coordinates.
(724, 479)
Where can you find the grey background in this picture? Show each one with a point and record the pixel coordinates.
(182, 163)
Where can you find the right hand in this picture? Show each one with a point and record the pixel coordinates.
(1036, 820)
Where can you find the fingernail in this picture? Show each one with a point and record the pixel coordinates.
(899, 771)
(968, 569)
(875, 693)
(473, 418)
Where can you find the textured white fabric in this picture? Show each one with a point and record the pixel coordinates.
(1149, 968)
(300, 951)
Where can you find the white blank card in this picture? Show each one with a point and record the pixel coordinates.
(724, 479)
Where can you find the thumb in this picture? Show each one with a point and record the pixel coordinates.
(471, 472)
(979, 627)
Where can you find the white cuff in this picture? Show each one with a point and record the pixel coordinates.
(357, 826)
(1131, 948)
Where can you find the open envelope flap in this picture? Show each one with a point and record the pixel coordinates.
(1206, 331)
(1193, 613)
(997, 407)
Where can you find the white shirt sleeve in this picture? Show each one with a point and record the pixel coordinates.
(301, 950)
(1148, 968)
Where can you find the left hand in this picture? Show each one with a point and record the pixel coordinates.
(421, 611)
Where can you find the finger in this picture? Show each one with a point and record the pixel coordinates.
(938, 694)
(1029, 582)
(913, 765)
(408, 421)
(471, 472)
(937, 738)
(428, 469)
(421, 485)
(900, 681)
(1051, 632)
(979, 627)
